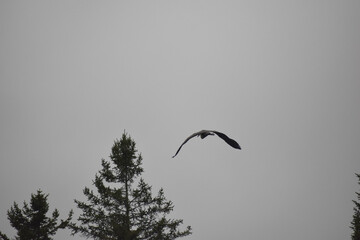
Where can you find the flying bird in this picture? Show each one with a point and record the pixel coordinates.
(204, 133)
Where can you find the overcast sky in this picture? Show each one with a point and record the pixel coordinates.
(280, 77)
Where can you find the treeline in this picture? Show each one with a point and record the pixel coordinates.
(122, 207)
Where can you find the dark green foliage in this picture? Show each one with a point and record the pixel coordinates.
(3, 236)
(31, 221)
(120, 210)
(355, 224)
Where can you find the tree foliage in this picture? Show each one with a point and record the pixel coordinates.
(31, 221)
(355, 224)
(123, 207)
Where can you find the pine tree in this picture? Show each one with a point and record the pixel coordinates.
(124, 207)
(31, 221)
(355, 224)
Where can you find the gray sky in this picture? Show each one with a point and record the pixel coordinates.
(280, 77)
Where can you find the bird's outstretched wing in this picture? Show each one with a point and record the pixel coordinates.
(228, 140)
(191, 136)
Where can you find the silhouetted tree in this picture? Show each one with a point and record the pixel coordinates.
(120, 210)
(31, 221)
(355, 224)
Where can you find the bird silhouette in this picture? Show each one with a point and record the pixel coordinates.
(204, 133)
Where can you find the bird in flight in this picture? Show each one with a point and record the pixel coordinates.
(204, 133)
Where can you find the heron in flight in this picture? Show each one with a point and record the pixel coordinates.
(204, 133)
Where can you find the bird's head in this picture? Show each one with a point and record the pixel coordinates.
(205, 134)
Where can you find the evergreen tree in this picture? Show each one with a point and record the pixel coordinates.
(355, 224)
(31, 221)
(120, 210)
